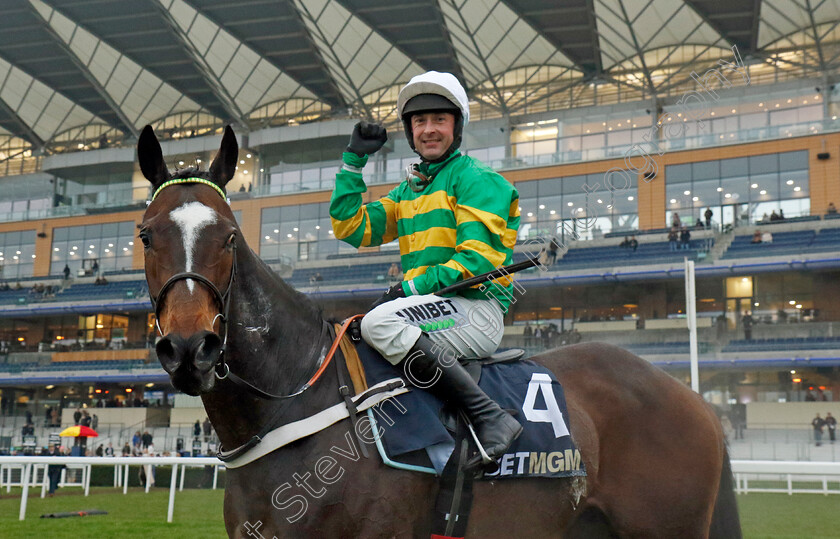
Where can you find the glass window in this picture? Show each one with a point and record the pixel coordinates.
(107, 247)
(17, 252)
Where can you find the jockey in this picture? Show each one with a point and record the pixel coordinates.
(454, 218)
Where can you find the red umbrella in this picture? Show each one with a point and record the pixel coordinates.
(77, 431)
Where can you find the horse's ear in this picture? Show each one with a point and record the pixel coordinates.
(151, 157)
(224, 164)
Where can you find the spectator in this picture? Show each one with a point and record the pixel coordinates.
(625, 243)
(95, 268)
(685, 239)
(109, 451)
(242, 188)
(774, 216)
(146, 439)
(136, 440)
(197, 428)
(77, 416)
(395, 273)
(675, 220)
(747, 321)
(766, 237)
(672, 239)
(551, 254)
(66, 272)
(634, 243)
(756, 237)
(781, 214)
(708, 215)
(54, 471)
(818, 423)
(94, 422)
(86, 420)
(831, 423)
(831, 211)
(100, 451)
(126, 450)
(208, 429)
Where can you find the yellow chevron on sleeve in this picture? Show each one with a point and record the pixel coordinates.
(493, 256)
(426, 203)
(514, 208)
(345, 228)
(495, 224)
(414, 272)
(390, 208)
(509, 239)
(438, 236)
(457, 266)
(368, 230)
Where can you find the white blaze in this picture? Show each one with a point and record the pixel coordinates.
(191, 218)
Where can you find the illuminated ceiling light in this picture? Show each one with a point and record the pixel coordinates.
(673, 201)
(198, 161)
(686, 192)
(695, 199)
(761, 104)
(600, 201)
(570, 204)
(180, 163)
(295, 229)
(245, 172)
(56, 249)
(125, 249)
(91, 247)
(49, 386)
(789, 182)
(530, 214)
(789, 100)
(248, 156)
(744, 279)
(330, 232)
(630, 198)
(268, 237)
(762, 192)
(131, 243)
(804, 101)
(15, 257)
(17, 252)
(317, 227)
(797, 188)
(580, 210)
(727, 195)
(107, 250)
(242, 162)
(288, 235)
(754, 186)
(110, 245)
(798, 306)
(793, 372)
(542, 206)
(90, 252)
(777, 105)
(713, 113)
(755, 304)
(792, 302)
(552, 212)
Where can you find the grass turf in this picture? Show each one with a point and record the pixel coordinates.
(198, 514)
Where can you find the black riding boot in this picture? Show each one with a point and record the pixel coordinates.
(495, 428)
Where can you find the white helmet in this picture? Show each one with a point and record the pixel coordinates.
(434, 91)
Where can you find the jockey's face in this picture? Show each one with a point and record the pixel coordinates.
(433, 133)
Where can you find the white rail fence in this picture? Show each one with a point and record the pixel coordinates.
(29, 468)
(825, 473)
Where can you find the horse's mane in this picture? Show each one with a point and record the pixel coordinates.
(309, 309)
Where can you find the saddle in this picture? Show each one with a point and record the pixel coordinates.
(417, 432)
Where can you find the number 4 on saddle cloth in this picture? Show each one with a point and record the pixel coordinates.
(413, 436)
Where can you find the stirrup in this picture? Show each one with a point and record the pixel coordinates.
(486, 463)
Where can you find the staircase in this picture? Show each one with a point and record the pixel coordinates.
(722, 242)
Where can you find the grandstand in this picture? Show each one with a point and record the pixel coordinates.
(603, 143)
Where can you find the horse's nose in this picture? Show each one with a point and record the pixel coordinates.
(201, 350)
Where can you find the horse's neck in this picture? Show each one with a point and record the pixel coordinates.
(275, 342)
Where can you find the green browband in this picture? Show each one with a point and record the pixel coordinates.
(189, 180)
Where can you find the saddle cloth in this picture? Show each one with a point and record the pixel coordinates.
(411, 422)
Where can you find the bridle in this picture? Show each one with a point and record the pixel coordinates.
(220, 368)
(223, 300)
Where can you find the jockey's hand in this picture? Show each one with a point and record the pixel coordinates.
(394, 292)
(367, 138)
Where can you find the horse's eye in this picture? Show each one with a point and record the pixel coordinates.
(145, 239)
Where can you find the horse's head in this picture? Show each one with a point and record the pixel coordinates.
(189, 239)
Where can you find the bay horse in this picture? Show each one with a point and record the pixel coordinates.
(654, 451)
